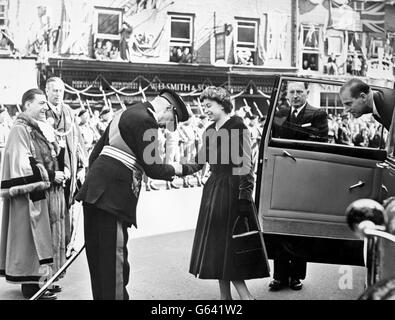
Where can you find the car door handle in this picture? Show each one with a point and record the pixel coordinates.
(382, 165)
(357, 185)
(287, 154)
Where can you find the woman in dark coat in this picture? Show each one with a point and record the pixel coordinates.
(226, 200)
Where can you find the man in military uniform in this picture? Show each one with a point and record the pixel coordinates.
(105, 119)
(128, 148)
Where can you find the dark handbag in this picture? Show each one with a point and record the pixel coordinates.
(247, 242)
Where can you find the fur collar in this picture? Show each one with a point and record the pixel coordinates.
(27, 120)
(43, 128)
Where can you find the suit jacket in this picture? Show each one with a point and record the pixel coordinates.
(108, 184)
(384, 101)
(311, 124)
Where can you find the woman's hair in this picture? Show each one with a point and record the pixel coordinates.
(29, 95)
(219, 95)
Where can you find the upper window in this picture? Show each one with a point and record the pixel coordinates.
(181, 38)
(181, 30)
(246, 41)
(3, 12)
(108, 23)
(311, 43)
(311, 37)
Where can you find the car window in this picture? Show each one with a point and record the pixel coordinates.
(314, 112)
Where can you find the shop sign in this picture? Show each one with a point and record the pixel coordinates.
(134, 86)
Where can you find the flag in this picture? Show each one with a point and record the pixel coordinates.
(76, 27)
(343, 17)
(342, 60)
(25, 25)
(277, 26)
(373, 17)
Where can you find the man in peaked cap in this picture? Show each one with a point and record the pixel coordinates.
(128, 148)
(105, 119)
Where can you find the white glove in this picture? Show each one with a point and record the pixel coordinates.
(177, 168)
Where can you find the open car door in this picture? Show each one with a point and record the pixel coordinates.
(308, 175)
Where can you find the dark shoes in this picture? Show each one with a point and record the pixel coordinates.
(29, 290)
(55, 288)
(296, 284)
(277, 285)
(47, 295)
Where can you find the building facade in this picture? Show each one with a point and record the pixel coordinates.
(345, 38)
(118, 51)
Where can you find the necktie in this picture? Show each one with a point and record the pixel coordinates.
(294, 115)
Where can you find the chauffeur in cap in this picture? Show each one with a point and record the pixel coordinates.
(128, 148)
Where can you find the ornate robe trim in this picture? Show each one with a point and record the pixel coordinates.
(23, 279)
(39, 181)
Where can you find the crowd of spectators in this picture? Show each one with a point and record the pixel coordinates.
(361, 132)
(181, 55)
(181, 145)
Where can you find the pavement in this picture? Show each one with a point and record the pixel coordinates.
(159, 253)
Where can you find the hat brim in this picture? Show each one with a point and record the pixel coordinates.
(179, 106)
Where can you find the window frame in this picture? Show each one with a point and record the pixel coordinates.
(182, 42)
(331, 44)
(105, 10)
(306, 27)
(245, 45)
(4, 14)
(311, 50)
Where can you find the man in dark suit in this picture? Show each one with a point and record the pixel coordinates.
(128, 148)
(358, 99)
(299, 121)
